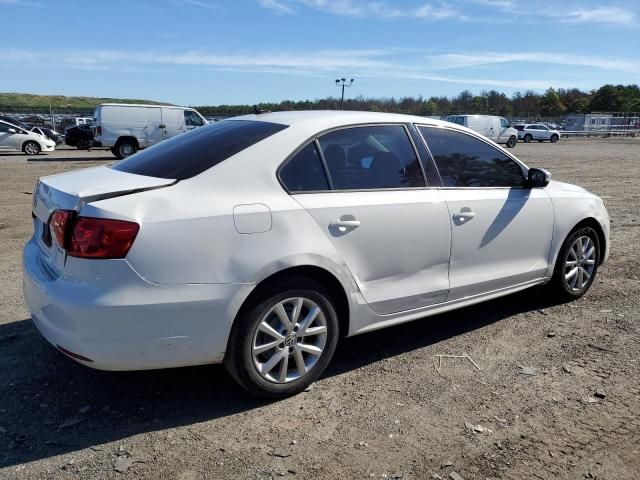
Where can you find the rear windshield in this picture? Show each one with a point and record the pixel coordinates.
(188, 154)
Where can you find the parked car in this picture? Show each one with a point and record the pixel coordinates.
(259, 241)
(497, 129)
(14, 121)
(14, 138)
(537, 131)
(48, 133)
(80, 137)
(129, 128)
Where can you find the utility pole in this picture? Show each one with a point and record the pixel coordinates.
(342, 82)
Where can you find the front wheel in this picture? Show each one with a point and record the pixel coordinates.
(283, 342)
(577, 264)
(31, 148)
(512, 142)
(554, 138)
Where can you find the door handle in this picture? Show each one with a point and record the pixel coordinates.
(345, 223)
(162, 125)
(464, 214)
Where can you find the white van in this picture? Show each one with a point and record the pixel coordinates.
(128, 128)
(494, 128)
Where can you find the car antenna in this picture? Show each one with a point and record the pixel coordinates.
(257, 110)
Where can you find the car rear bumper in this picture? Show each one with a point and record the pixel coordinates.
(115, 320)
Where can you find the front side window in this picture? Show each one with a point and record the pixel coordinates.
(304, 171)
(504, 123)
(371, 157)
(192, 119)
(187, 155)
(466, 161)
(4, 127)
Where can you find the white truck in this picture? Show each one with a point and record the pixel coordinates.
(128, 128)
(494, 128)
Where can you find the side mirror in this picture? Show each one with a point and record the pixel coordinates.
(11, 130)
(538, 178)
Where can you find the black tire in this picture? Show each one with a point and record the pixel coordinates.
(554, 138)
(512, 141)
(558, 284)
(83, 144)
(527, 138)
(239, 360)
(31, 148)
(113, 151)
(125, 148)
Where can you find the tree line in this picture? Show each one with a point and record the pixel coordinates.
(552, 103)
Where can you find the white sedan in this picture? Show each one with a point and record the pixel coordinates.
(16, 139)
(259, 241)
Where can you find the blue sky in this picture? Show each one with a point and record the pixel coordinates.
(196, 52)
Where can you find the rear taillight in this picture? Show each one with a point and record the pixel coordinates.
(88, 237)
(58, 224)
(98, 131)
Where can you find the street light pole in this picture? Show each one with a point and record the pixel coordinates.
(342, 82)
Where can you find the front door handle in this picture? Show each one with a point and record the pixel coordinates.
(345, 224)
(464, 214)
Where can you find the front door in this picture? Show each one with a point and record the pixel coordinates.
(392, 232)
(501, 231)
(173, 121)
(7, 138)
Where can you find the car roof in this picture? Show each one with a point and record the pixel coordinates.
(336, 118)
(147, 105)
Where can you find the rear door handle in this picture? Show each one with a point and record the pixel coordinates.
(345, 223)
(464, 214)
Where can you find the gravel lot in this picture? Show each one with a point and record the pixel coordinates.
(382, 410)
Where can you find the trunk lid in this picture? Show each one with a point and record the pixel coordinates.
(69, 191)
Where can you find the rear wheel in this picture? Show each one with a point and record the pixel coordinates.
(31, 148)
(527, 138)
(125, 148)
(512, 142)
(283, 341)
(554, 138)
(83, 144)
(577, 264)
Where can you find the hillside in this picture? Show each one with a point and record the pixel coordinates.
(27, 101)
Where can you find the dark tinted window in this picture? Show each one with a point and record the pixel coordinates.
(371, 157)
(433, 179)
(304, 172)
(465, 161)
(192, 119)
(189, 154)
(5, 128)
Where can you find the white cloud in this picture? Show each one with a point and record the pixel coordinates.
(472, 59)
(276, 6)
(366, 63)
(493, 11)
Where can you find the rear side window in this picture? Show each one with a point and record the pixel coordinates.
(304, 172)
(465, 161)
(374, 157)
(188, 154)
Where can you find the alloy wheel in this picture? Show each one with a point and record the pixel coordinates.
(580, 264)
(289, 340)
(31, 149)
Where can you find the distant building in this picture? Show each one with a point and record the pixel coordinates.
(590, 121)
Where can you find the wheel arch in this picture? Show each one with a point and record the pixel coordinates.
(125, 138)
(312, 272)
(602, 238)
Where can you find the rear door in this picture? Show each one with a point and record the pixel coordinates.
(501, 231)
(391, 230)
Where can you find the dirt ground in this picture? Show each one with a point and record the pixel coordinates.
(557, 395)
